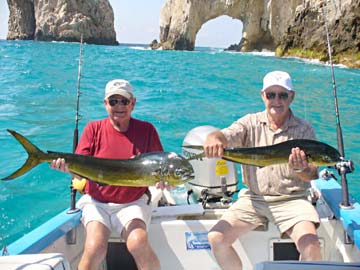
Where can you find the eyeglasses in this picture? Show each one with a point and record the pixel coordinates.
(281, 95)
(123, 101)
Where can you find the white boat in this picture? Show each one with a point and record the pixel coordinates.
(178, 233)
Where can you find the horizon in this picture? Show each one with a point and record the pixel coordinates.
(137, 22)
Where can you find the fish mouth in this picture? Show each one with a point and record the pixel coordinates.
(188, 176)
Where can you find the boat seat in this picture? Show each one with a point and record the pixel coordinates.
(178, 210)
(296, 265)
(43, 261)
(175, 211)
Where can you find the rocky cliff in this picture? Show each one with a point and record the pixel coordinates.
(21, 23)
(306, 36)
(292, 27)
(264, 22)
(62, 20)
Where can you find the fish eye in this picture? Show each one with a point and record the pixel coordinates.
(178, 172)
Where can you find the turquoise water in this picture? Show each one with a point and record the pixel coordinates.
(176, 91)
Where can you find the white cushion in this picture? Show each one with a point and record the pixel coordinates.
(295, 265)
(44, 261)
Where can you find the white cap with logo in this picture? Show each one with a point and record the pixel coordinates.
(119, 87)
(279, 78)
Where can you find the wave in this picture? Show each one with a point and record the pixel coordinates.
(315, 61)
(136, 46)
(263, 53)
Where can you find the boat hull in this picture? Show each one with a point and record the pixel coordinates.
(178, 235)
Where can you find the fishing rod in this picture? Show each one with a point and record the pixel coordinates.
(344, 166)
(76, 130)
(73, 209)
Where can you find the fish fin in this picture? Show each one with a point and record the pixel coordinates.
(35, 156)
(243, 163)
(197, 147)
(233, 160)
(191, 156)
(199, 156)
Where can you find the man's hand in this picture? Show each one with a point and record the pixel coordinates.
(59, 164)
(214, 144)
(298, 161)
(163, 185)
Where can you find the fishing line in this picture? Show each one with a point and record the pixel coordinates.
(337, 115)
(76, 130)
(73, 208)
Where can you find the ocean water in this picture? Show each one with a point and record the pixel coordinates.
(175, 90)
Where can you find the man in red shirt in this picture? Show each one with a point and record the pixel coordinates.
(107, 208)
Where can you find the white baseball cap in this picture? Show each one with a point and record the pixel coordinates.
(119, 87)
(279, 78)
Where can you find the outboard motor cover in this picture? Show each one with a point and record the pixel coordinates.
(213, 176)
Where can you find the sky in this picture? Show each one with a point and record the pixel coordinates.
(137, 21)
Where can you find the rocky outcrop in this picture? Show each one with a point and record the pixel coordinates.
(264, 22)
(21, 23)
(288, 26)
(306, 36)
(62, 20)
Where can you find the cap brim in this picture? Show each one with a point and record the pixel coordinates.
(123, 93)
(286, 88)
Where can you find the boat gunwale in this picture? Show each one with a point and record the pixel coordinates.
(48, 232)
(332, 193)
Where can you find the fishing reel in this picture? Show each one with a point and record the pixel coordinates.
(343, 167)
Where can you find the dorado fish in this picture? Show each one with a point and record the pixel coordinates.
(317, 153)
(144, 170)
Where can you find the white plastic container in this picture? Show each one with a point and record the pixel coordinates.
(214, 176)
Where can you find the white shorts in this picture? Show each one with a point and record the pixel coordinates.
(284, 213)
(114, 216)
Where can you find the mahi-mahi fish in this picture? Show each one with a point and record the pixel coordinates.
(317, 153)
(143, 170)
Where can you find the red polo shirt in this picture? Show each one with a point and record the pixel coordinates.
(101, 139)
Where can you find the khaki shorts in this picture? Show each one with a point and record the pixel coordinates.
(113, 215)
(284, 213)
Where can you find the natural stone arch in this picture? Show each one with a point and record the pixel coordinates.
(264, 22)
(221, 32)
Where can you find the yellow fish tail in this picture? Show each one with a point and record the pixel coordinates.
(36, 156)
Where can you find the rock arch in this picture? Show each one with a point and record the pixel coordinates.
(213, 33)
(264, 21)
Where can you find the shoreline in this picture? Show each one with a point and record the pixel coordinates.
(297, 54)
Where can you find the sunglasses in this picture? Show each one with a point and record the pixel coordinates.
(281, 95)
(123, 101)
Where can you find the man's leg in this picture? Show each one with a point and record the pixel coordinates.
(221, 238)
(97, 235)
(307, 242)
(138, 245)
